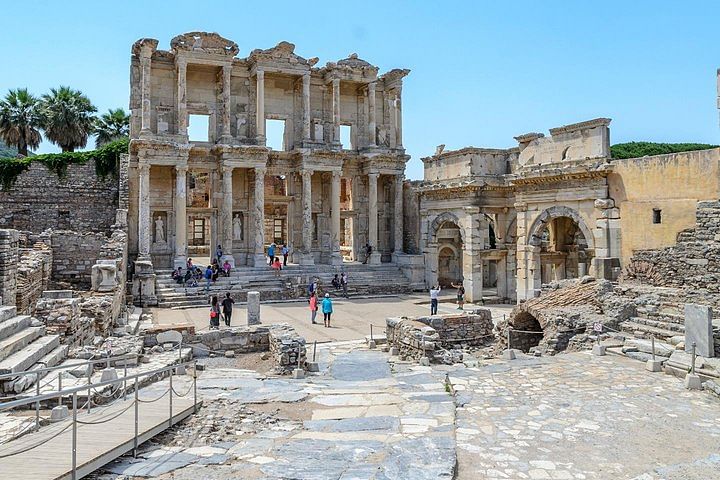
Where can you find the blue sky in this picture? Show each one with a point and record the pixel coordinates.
(482, 72)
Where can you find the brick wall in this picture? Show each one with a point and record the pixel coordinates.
(40, 200)
(74, 254)
(33, 275)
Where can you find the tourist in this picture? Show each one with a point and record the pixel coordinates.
(218, 253)
(313, 307)
(344, 283)
(227, 307)
(336, 282)
(177, 275)
(214, 313)
(327, 309)
(189, 264)
(271, 253)
(277, 266)
(285, 252)
(434, 293)
(208, 278)
(368, 252)
(226, 268)
(189, 279)
(215, 269)
(313, 287)
(460, 295)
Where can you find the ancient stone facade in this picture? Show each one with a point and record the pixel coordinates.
(505, 222)
(226, 187)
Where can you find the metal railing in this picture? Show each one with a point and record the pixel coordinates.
(73, 392)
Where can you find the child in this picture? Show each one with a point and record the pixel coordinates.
(276, 265)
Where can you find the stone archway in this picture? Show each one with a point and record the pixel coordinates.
(444, 234)
(526, 331)
(449, 266)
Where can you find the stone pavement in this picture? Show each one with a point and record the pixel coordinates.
(351, 319)
(370, 416)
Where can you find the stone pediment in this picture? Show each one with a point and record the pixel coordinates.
(205, 42)
(283, 52)
(353, 61)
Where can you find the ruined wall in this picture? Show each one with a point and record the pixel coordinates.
(40, 200)
(693, 263)
(33, 274)
(672, 183)
(62, 315)
(8, 265)
(74, 254)
(411, 219)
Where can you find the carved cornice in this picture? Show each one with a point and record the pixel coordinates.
(594, 123)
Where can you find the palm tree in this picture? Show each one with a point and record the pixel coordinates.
(67, 118)
(19, 120)
(111, 126)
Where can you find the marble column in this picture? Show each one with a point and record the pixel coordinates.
(182, 116)
(398, 121)
(336, 257)
(180, 216)
(336, 110)
(226, 218)
(398, 211)
(226, 75)
(260, 110)
(144, 211)
(258, 218)
(373, 218)
(146, 71)
(307, 223)
(372, 135)
(306, 107)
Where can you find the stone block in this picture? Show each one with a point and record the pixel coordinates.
(508, 354)
(298, 373)
(59, 413)
(598, 350)
(253, 308)
(108, 374)
(698, 329)
(312, 367)
(372, 345)
(693, 382)
(394, 351)
(653, 365)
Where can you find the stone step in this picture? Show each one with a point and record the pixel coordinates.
(26, 357)
(18, 341)
(54, 357)
(14, 325)
(640, 330)
(675, 327)
(7, 312)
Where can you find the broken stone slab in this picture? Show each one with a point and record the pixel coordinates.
(698, 329)
(642, 345)
(683, 360)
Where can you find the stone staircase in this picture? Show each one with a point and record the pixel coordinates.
(25, 347)
(659, 314)
(362, 280)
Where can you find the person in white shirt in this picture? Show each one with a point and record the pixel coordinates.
(434, 293)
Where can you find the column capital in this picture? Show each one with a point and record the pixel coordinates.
(373, 175)
(181, 169)
(307, 173)
(228, 170)
(335, 82)
(144, 167)
(400, 177)
(227, 69)
(336, 174)
(260, 170)
(181, 62)
(260, 73)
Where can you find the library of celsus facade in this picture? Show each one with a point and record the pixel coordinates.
(195, 188)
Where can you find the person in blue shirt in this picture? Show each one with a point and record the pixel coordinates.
(327, 308)
(271, 253)
(208, 278)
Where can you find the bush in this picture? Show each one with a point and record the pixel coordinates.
(642, 149)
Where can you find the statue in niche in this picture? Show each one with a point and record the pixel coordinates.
(159, 230)
(237, 227)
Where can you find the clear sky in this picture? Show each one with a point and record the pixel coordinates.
(482, 71)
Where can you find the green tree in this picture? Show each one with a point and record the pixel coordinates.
(19, 120)
(67, 118)
(111, 126)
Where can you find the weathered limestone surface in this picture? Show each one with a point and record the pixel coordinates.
(699, 330)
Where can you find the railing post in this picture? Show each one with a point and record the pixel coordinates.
(171, 392)
(371, 332)
(314, 349)
(37, 404)
(59, 387)
(89, 399)
(195, 387)
(692, 367)
(652, 340)
(508, 338)
(135, 438)
(125, 380)
(74, 437)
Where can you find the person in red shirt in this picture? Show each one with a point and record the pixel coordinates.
(277, 266)
(313, 307)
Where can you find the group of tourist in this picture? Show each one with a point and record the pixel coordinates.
(435, 294)
(326, 305)
(341, 283)
(274, 260)
(216, 314)
(194, 274)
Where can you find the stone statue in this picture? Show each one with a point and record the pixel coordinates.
(159, 230)
(237, 227)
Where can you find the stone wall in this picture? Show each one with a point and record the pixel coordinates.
(411, 218)
(33, 276)
(692, 264)
(74, 255)
(287, 348)
(431, 336)
(62, 315)
(8, 265)
(40, 200)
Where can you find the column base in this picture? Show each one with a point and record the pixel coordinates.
(375, 259)
(180, 261)
(226, 140)
(258, 259)
(336, 259)
(229, 258)
(397, 257)
(305, 259)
